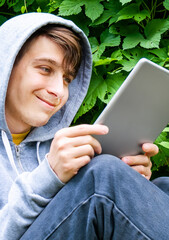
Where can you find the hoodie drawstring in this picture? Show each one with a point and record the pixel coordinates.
(8, 150)
(37, 152)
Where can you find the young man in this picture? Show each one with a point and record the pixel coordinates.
(52, 186)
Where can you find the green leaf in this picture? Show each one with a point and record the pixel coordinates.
(97, 49)
(70, 7)
(132, 57)
(159, 159)
(104, 61)
(97, 89)
(111, 10)
(13, 3)
(2, 2)
(113, 7)
(165, 144)
(2, 19)
(128, 12)
(100, 50)
(141, 15)
(53, 5)
(113, 29)
(166, 129)
(133, 11)
(113, 82)
(132, 40)
(125, 1)
(133, 37)
(161, 138)
(166, 4)
(109, 39)
(81, 21)
(23, 9)
(153, 31)
(103, 18)
(93, 43)
(93, 9)
(161, 53)
(39, 9)
(117, 55)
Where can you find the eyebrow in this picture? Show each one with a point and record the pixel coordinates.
(49, 60)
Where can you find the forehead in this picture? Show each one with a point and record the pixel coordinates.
(40, 47)
(43, 46)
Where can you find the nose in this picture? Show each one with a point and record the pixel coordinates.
(56, 87)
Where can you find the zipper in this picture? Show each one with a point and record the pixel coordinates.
(18, 158)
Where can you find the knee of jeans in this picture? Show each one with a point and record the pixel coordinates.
(105, 163)
(103, 173)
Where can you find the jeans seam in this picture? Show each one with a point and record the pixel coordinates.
(79, 205)
(131, 222)
(124, 215)
(115, 206)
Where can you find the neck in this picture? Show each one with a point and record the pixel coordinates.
(17, 128)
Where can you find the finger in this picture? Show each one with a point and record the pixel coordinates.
(77, 163)
(85, 140)
(137, 160)
(72, 168)
(81, 162)
(83, 129)
(84, 150)
(150, 149)
(144, 171)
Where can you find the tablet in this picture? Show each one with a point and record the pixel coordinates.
(138, 112)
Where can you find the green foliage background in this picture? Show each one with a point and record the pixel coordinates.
(120, 33)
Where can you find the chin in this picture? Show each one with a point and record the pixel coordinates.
(40, 123)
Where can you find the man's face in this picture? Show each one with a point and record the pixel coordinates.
(37, 88)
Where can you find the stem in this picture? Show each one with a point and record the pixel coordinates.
(165, 13)
(25, 6)
(140, 24)
(159, 4)
(153, 10)
(10, 14)
(146, 6)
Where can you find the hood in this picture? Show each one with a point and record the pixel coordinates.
(13, 34)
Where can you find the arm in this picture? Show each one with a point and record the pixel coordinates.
(71, 149)
(142, 163)
(28, 196)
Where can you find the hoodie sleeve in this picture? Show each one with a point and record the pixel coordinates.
(28, 196)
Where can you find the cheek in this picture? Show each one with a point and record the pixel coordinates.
(65, 97)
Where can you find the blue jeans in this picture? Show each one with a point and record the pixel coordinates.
(106, 200)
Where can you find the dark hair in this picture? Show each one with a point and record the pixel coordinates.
(66, 39)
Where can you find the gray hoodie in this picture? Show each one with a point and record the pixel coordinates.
(27, 183)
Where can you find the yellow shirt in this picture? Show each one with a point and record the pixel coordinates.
(18, 138)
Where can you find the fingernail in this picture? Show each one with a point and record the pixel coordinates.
(146, 147)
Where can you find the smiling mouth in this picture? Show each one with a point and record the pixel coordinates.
(51, 104)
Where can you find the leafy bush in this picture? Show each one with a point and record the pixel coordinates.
(120, 33)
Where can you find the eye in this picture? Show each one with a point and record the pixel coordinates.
(45, 69)
(67, 79)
